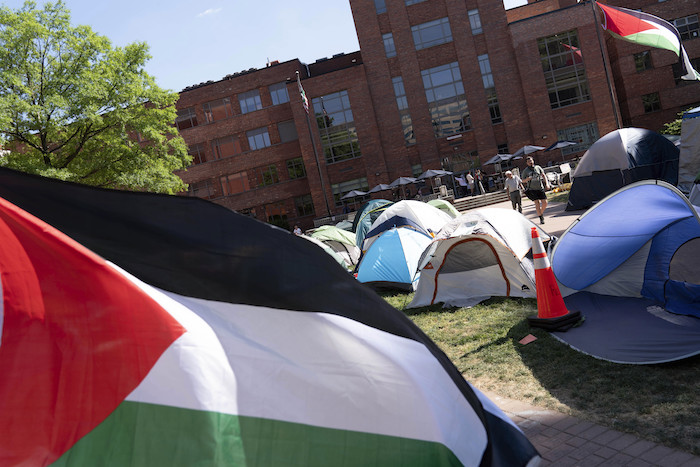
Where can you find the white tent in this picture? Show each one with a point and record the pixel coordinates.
(412, 214)
(480, 254)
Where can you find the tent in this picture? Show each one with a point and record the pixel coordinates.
(327, 248)
(367, 214)
(446, 206)
(482, 253)
(168, 330)
(340, 241)
(631, 265)
(392, 260)
(619, 158)
(413, 214)
(689, 158)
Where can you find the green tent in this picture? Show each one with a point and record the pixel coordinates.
(445, 206)
(340, 241)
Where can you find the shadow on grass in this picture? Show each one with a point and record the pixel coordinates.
(656, 402)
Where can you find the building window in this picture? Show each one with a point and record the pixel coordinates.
(217, 110)
(258, 138)
(279, 94)
(651, 102)
(494, 107)
(197, 153)
(380, 6)
(642, 61)
(416, 170)
(389, 46)
(413, 2)
(295, 168)
(276, 214)
(342, 188)
(337, 127)
(585, 135)
(432, 33)
(404, 114)
(687, 27)
(235, 183)
(475, 22)
(489, 86)
(250, 101)
(186, 118)
(267, 176)
(202, 189)
(304, 206)
(287, 131)
(564, 71)
(225, 147)
(446, 99)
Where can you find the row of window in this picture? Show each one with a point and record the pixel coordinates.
(220, 109)
(248, 179)
(230, 145)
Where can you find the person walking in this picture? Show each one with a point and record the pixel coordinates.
(513, 185)
(470, 183)
(479, 182)
(536, 183)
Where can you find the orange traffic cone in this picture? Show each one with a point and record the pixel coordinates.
(552, 314)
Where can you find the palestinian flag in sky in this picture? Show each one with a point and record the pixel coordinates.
(142, 329)
(643, 28)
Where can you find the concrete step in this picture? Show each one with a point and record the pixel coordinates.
(479, 201)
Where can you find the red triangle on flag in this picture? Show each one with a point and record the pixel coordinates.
(77, 338)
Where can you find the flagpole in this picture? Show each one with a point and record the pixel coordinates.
(605, 66)
(313, 146)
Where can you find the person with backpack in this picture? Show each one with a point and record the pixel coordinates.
(536, 186)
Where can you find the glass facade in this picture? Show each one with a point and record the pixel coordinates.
(446, 99)
(337, 127)
(564, 71)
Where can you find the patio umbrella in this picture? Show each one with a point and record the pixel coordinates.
(433, 173)
(353, 194)
(402, 181)
(525, 150)
(499, 158)
(560, 144)
(380, 187)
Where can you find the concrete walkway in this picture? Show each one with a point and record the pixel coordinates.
(563, 440)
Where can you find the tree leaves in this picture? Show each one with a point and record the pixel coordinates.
(76, 108)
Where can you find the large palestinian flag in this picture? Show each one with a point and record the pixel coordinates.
(142, 329)
(643, 28)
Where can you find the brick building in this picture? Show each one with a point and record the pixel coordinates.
(436, 84)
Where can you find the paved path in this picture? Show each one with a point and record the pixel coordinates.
(563, 440)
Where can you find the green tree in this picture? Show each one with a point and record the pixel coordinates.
(74, 107)
(674, 127)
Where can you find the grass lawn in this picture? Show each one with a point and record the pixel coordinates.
(659, 403)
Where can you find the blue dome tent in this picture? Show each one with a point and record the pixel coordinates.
(392, 259)
(631, 265)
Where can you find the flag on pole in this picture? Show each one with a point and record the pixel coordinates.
(643, 28)
(163, 330)
(304, 100)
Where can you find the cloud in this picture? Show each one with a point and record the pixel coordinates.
(210, 11)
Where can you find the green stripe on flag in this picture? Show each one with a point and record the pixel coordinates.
(138, 434)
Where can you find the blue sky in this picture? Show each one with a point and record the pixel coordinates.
(196, 41)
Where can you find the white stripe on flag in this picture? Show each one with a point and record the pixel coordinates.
(311, 368)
